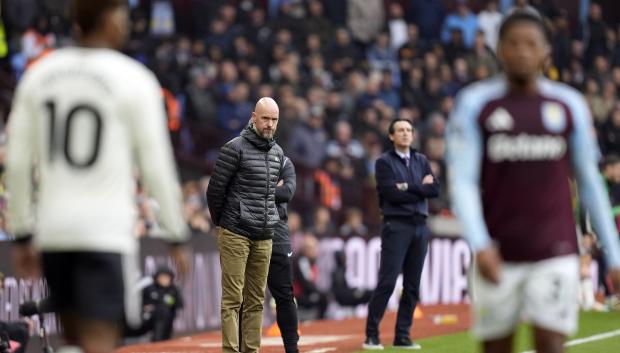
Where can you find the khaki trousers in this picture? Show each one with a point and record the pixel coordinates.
(245, 265)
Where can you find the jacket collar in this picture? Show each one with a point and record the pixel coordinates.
(255, 139)
(412, 152)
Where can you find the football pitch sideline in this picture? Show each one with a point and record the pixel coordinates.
(598, 333)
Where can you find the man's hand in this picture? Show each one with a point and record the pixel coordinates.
(489, 264)
(614, 275)
(26, 259)
(281, 182)
(428, 179)
(180, 255)
(402, 186)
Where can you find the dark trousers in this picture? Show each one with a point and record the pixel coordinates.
(159, 322)
(162, 323)
(280, 283)
(403, 248)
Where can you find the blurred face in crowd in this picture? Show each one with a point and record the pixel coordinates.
(522, 51)
(265, 117)
(311, 247)
(595, 11)
(316, 8)
(402, 137)
(164, 280)
(343, 132)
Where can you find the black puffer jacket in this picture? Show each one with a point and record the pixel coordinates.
(241, 193)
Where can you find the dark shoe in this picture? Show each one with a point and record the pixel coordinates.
(372, 343)
(406, 343)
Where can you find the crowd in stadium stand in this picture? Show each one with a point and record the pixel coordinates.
(340, 71)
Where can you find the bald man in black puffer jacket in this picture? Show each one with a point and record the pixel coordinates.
(241, 198)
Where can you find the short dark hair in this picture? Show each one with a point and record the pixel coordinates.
(520, 16)
(87, 13)
(391, 128)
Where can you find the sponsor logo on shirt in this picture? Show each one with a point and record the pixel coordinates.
(525, 148)
(500, 120)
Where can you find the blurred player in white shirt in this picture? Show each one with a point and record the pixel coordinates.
(84, 117)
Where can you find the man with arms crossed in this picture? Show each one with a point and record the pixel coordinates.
(81, 117)
(514, 143)
(404, 182)
(241, 198)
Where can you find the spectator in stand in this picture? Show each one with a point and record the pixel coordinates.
(428, 15)
(610, 133)
(306, 145)
(462, 19)
(383, 57)
(410, 50)
(561, 42)
(353, 224)
(235, 109)
(343, 50)
(397, 25)
(482, 55)
(593, 34)
(19, 15)
(489, 20)
(316, 22)
(344, 146)
(200, 104)
(295, 226)
(37, 40)
(322, 224)
(455, 47)
(365, 19)
(388, 93)
(305, 274)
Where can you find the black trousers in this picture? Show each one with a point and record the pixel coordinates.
(280, 283)
(403, 248)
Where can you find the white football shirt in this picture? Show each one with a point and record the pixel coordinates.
(82, 120)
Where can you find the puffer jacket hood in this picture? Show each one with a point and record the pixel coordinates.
(250, 134)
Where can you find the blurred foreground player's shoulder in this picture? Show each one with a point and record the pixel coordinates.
(568, 95)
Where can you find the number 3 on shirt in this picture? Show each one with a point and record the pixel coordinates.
(60, 137)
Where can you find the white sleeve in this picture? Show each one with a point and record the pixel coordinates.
(155, 158)
(584, 155)
(464, 154)
(20, 157)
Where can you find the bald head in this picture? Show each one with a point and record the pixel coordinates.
(265, 117)
(266, 104)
